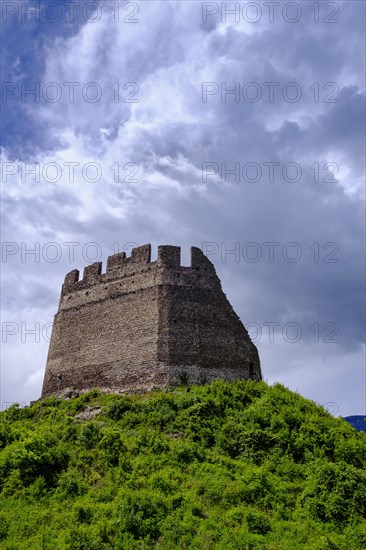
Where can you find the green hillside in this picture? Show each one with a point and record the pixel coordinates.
(222, 466)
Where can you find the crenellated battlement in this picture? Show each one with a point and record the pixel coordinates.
(120, 266)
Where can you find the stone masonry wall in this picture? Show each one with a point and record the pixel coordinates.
(146, 324)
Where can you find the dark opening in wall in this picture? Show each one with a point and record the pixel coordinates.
(251, 370)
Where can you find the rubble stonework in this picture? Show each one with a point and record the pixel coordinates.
(144, 325)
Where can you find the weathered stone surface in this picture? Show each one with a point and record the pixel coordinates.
(88, 413)
(143, 325)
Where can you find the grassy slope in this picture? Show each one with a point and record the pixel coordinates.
(224, 466)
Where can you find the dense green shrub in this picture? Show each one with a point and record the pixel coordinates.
(224, 466)
(258, 522)
(141, 514)
(336, 492)
(90, 435)
(117, 407)
(70, 484)
(111, 446)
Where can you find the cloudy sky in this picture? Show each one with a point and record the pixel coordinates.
(238, 128)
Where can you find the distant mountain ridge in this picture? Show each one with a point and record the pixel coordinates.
(357, 421)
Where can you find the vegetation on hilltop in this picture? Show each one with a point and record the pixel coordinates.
(223, 466)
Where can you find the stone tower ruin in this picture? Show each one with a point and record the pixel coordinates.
(144, 325)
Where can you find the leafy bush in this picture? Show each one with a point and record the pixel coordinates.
(141, 514)
(70, 484)
(336, 492)
(4, 526)
(111, 446)
(117, 408)
(224, 466)
(90, 435)
(258, 522)
(35, 456)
